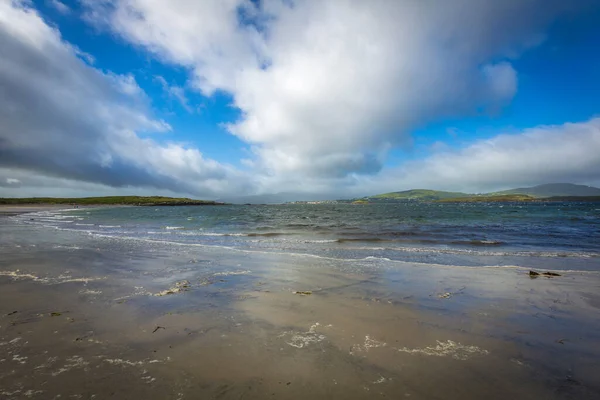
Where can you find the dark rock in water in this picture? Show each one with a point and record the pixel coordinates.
(534, 274)
(550, 274)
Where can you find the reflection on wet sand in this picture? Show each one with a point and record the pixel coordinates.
(86, 322)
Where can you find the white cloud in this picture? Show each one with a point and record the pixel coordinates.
(545, 154)
(175, 92)
(59, 6)
(62, 118)
(326, 88)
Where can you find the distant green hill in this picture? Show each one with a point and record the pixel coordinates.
(550, 192)
(489, 198)
(554, 190)
(110, 200)
(417, 194)
(595, 199)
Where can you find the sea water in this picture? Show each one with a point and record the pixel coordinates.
(552, 236)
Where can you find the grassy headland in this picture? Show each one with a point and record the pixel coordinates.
(417, 194)
(488, 198)
(110, 200)
(554, 190)
(548, 192)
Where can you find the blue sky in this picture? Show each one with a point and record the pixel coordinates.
(218, 99)
(199, 124)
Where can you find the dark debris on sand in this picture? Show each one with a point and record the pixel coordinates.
(534, 274)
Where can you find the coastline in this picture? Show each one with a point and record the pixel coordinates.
(83, 315)
(8, 210)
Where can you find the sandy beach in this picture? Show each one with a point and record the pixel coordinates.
(88, 317)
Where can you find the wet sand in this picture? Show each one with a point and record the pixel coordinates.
(84, 317)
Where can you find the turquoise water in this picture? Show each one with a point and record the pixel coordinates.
(559, 236)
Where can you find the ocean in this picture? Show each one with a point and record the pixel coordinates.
(553, 236)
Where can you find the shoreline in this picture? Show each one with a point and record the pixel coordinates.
(82, 316)
(10, 210)
(17, 209)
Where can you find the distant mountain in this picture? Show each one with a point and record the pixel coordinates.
(478, 198)
(417, 194)
(541, 191)
(553, 190)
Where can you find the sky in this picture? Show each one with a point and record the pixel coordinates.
(217, 99)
